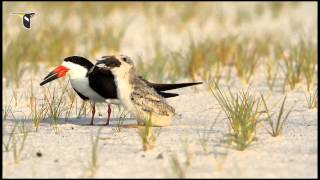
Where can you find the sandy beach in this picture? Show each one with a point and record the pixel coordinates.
(66, 154)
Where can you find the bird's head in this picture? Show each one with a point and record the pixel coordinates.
(75, 66)
(119, 64)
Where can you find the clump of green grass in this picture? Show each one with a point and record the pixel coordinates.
(204, 135)
(246, 59)
(260, 9)
(93, 163)
(225, 49)
(5, 114)
(278, 123)
(54, 51)
(82, 110)
(18, 140)
(72, 102)
(292, 67)
(272, 73)
(312, 99)
(241, 110)
(37, 113)
(203, 61)
(55, 104)
(158, 65)
(148, 136)
(180, 169)
(14, 69)
(220, 155)
(176, 67)
(122, 116)
(7, 144)
(187, 12)
(15, 97)
(110, 37)
(309, 65)
(243, 16)
(6, 110)
(300, 63)
(276, 8)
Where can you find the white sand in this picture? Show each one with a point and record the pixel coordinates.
(293, 154)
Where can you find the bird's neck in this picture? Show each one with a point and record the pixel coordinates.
(77, 74)
(124, 85)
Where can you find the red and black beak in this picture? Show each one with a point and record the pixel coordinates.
(55, 74)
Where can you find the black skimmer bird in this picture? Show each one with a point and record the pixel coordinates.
(26, 19)
(98, 85)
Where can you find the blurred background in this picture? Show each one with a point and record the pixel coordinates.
(168, 41)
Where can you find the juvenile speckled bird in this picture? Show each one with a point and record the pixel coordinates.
(135, 95)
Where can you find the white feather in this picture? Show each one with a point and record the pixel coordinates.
(26, 19)
(80, 82)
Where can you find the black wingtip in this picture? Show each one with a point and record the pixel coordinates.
(168, 95)
(166, 87)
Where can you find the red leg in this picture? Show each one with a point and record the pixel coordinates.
(109, 113)
(93, 112)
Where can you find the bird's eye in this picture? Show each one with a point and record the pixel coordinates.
(125, 59)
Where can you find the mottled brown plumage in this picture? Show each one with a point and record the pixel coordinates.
(136, 96)
(147, 101)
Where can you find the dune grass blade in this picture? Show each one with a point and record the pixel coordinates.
(147, 135)
(37, 113)
(204, 135)
(93, 162)
(272, 73)
(121, 117)
(312, 99)
(19, 140)
(309, 65)
(7, 144)
(72, 102)
(56, 105)
(179, 167)
(203, 60)
(246, 63)
(278, 124)
(82, 110)
(300, 63)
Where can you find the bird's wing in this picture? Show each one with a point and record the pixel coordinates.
(19, 14)
(81, 95)
(102, 81)
(146, 99)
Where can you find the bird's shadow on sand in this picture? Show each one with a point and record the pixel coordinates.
(114, 122)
